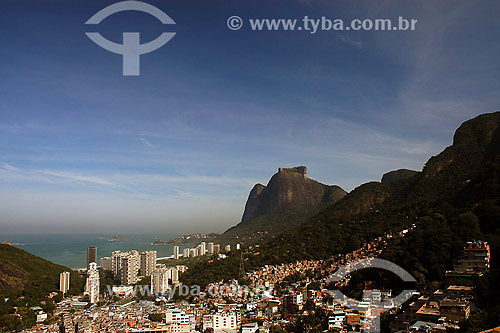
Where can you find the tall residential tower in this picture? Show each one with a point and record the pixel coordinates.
(92, 285)
(64, 282)
(91, 255)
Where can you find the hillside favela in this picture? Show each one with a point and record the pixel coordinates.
(249, 166)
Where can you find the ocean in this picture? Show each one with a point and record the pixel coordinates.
(71, 249)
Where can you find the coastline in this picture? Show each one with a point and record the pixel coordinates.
(71, 249)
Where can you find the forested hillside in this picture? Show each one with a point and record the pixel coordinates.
(454, 199)
(25, 281)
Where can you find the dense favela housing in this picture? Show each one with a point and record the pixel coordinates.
(272, 296)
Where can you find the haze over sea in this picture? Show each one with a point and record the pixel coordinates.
(71, 249)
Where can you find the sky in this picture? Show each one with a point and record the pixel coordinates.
(178, 148)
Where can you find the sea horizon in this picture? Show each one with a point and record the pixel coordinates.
(70, 250)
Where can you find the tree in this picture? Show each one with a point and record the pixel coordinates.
(276, 329)
(467, 227)
(476, 322)
(158, 317)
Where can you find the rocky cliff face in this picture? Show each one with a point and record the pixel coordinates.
(475, 142)
(287, 191)
(472, 142)
(289, 199)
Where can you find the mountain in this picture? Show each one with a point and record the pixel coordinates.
(288, 200)
(456, 197)
(35, 276)
(288, 189)
(475, 142)
(25, 275)
(397, 175)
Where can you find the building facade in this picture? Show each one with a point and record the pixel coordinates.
(64, 282)
(210, 248)
(92, 285)
(224, 321)
(128, 269)
(91, 255)
(159, 281)
(125, 266)
(148, 262)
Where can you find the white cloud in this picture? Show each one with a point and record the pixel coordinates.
(141, 186)
(72, 176)
(147, 143)
(9, 167)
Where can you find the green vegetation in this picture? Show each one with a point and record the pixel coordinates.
(266, 227)
(454, 199)
(398, 175)
(26, 280)
(158, 317)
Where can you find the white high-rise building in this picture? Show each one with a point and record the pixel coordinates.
(137, 258)
(199, 250)
(176, 252)
(128, 270)
(210, 248)
(116, 262)
(173, 275)
(238, 246)
(92, 285)
(148, 262)
(159, 280)
(203, 248)
(185, 253)
(64, 282)
(125, 266)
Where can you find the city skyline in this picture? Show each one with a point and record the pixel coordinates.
(84, 149)
(249, 167)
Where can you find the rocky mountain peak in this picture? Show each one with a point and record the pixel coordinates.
(289, 190)
(300, 170)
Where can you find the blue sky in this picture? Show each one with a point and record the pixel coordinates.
(177, 149)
